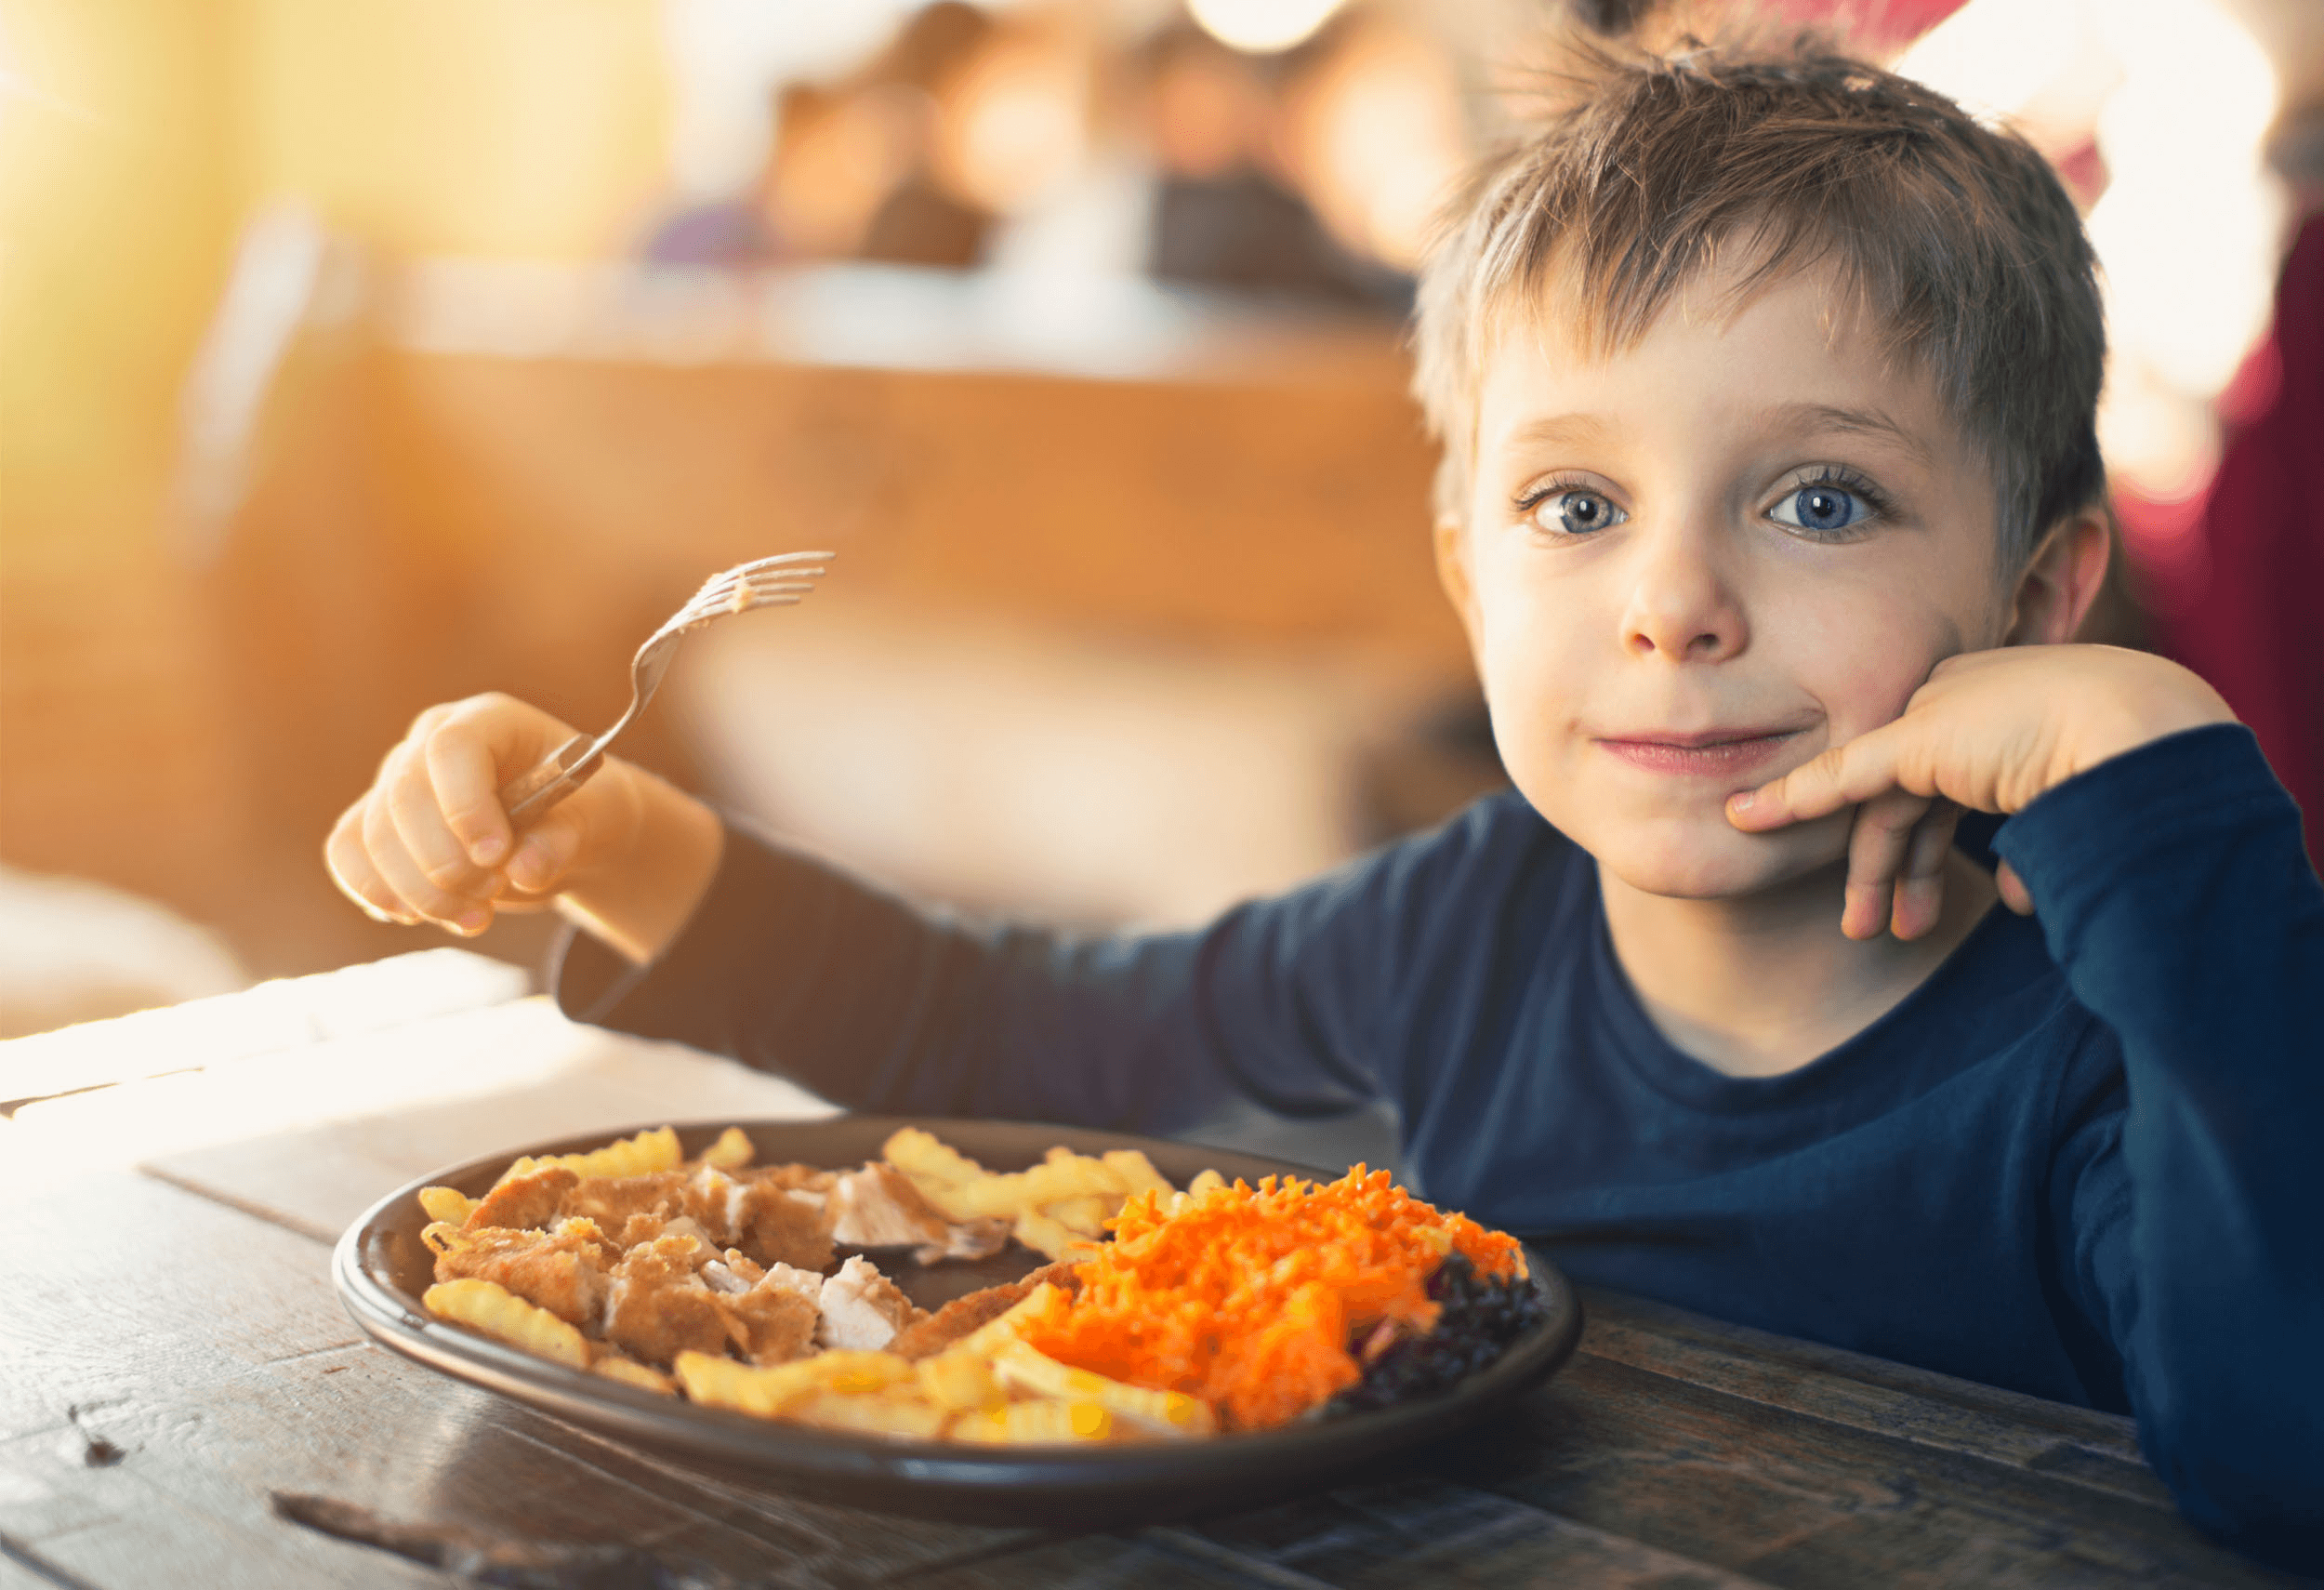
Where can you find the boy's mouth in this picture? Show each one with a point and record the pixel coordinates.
(1714, 753)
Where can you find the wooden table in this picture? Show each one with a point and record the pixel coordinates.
(171, 1352)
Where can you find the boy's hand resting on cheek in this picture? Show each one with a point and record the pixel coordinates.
(1990, 731)
(626, 854)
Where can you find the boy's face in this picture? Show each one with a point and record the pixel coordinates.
(1693, 565)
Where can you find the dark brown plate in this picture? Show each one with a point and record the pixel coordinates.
(381, 1269)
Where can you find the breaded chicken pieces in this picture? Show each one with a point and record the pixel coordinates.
(880, 1207)
(611, 1200)
(776, 1214)
(563, 1271)
(862, 1309)
(535, 1198)
(657, 1307)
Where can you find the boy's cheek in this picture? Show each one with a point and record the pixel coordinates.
(1880, 674)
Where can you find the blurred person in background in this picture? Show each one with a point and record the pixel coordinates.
(1227, 207)
(864, 168)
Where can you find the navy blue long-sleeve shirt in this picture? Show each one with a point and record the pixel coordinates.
(2084, 1159)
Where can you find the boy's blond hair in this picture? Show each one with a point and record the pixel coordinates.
(1958, 238)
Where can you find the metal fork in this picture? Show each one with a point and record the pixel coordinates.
(781, 582)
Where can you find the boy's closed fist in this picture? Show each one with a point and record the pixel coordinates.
(1991, 731)
(429, 840)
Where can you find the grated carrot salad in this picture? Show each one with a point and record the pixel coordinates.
(1247, 1296)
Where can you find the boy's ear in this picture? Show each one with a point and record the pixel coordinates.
(2059, 585)
(1453, 573)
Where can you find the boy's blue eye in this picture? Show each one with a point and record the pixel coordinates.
(1576, 511)
(1821, 508)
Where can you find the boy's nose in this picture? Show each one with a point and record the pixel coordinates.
(1682, 606)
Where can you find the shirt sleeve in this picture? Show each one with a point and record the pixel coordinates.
(794, 966)
(2172, 888)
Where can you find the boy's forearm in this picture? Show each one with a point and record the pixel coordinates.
(2177, 900)
(638, 903)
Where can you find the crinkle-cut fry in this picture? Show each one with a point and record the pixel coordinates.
(655, 1149)
(732, 1151)
(449, 1205)
(1136, 1173)
(1052, 1181)
(1041, 1422)
(926, 1158)
(442, 1237)
(959, 1381)
(1173, 1413)
(1043, 1235)
(497, 1311)
(893, 1412)
(639, 1156)
(630, 1371)
(1204, 1182)
(1084, 1216)
(722, 1383)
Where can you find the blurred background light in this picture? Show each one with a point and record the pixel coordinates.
(1261, 26)
(2162, 109)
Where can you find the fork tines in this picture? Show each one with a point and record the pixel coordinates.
(785, 564)
(779, 581)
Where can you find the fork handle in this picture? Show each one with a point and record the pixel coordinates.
(564, 770)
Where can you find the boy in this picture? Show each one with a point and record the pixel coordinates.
(1770, 491)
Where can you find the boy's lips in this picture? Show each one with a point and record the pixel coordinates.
(1729, 753)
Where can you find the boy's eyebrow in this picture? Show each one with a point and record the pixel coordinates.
(1857, 422)
(1565, 428)
(1561, 428)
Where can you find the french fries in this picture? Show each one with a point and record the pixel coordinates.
(722, 1383)
(1054, 1238)
(446, 1204)
(1042, 1422)
(495, 1310)
(1058, 1207)
(641, 1155)
(1173, 1414)
(732, 1151)
(959, 1381)
(927, 1160)
(902, 1414)
(615, 1365)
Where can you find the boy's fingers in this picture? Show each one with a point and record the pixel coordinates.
(466, 777)
(546, 849)
(2014, 894)
(421, 895)
(1878, 846)
(1840, 777)
(1921, 891)
(416, 812)
(351, 871)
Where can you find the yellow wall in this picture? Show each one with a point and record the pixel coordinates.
(527, 127)
(135, 138)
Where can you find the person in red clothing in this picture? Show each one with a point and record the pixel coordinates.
(2249, 609)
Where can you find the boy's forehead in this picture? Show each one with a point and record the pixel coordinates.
(1573, 324)
(1803, 347)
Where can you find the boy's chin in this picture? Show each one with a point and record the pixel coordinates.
(1712, 861)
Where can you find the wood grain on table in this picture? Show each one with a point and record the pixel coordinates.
(172, 1351)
